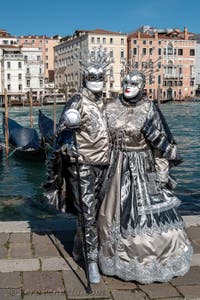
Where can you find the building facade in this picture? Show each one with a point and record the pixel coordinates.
(46, 46)
(168, 58)
(21, 70)
(67, 69)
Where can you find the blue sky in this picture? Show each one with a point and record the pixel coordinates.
(63, 17)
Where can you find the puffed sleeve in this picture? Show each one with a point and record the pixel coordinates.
(158, 134)
(164, 147)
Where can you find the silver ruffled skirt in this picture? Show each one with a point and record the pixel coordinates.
(141, 234)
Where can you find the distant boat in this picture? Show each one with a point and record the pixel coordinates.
(24, 143)
(58, 97)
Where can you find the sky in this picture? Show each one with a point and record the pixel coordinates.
(63, 17)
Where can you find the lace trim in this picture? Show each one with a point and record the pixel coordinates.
(149, 273)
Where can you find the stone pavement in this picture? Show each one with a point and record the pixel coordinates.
(36, 264)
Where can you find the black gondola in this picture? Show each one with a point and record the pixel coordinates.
(24, 142)
(46, 127)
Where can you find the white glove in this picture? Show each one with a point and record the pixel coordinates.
(72, 118)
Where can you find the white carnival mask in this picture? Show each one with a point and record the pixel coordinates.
(94, 79)
(132, 85)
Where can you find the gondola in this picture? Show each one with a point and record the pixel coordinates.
(46, 127)
(24, 143)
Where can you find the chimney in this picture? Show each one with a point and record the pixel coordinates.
(185, 33)
(138, 34)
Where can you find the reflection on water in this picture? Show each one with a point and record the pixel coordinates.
(20, 182)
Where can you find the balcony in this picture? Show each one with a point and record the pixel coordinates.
(173, 75)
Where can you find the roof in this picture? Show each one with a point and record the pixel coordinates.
(99, 31)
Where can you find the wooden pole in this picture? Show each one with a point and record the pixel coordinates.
(6, 122)
(54, 113)
(31, 108)
(158, 96)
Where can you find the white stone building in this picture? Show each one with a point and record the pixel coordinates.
(67, 72)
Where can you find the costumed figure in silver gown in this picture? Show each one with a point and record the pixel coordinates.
(84, 111)
(141, 234)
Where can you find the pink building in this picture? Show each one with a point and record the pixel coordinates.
(46, 45)
(168, 59)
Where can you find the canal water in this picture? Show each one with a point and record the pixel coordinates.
(21, 195)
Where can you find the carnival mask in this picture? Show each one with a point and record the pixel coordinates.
(133, 85)
(94, 79)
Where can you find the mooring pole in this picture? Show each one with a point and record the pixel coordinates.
(54, 113)
(31, 108)
(6, 122)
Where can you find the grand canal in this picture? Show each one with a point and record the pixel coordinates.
(20, 182)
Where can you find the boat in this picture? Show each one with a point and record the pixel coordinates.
(58, 98)
(24, 143)
(46, 127)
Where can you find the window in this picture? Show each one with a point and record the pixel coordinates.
(19, 76)
(92, 40)
(104, 40)
(8, 64)
(150, 51)
(39, 57)
(170, 49)
(98, 40)
(111, 53)
(41, 83)
(28, 71)
(159, 51)
(134, 51)
(144, 42)
(111, 40)
(28, 83)
(122, 54)
(144, 51)
(150, 42)
(8, 76)
(111, 84)
(20, 87)
(191, 82)
(8, 87)
(192, 52)
(122, 41)
(180, 51)
(180, 83)
(134, 42)
(159, 79)
(40, 71)
(19, 65)
(159, 42)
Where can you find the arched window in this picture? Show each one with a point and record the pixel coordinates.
(170, 49)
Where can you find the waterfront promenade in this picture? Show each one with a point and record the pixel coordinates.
(36, 264)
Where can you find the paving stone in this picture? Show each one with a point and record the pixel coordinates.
(193, 232)
(10, 280)
(196, 246)
(75, 283)
(58, 263)
(42, 282)
(10, 294)
(11, 265)
(20, 237)
(45, 250)
(196, 260)
(4, 237)
(190, 292)
(129, 295)
(159, 290)
(3, 252)
(41, 238)
(20, 250)
(117, 284)
(55, 296)
(191, 278)
(65, 250)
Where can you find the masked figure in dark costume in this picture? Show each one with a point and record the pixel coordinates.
(141, 233)
(84, 111)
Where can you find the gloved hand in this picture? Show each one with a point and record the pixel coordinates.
(72, 118)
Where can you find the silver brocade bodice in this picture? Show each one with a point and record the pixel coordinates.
(92, 138)
(125, 122)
